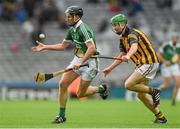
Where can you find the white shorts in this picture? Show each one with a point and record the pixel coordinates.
(148, 70)
(168, 71)
(87, 73)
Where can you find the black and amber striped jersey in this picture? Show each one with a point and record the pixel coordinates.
(145, 53)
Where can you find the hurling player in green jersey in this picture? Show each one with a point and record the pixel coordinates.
(170, 65)
(84, 39)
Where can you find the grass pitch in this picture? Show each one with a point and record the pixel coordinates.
(86, 114)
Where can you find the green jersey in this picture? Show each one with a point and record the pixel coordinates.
(169, 50)
(80, 35)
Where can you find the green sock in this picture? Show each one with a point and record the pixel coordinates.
(173, 101)
(62, 111)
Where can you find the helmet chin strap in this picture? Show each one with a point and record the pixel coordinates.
(123, 29)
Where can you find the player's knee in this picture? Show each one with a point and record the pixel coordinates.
(140, 95)
(80, 94)
(63, 85)
(128, 85)
(177, 83)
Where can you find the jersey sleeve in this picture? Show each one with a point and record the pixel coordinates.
(86, 34)
(89, 38)
(68, 36)
(133, 38)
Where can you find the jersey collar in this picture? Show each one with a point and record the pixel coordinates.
(126, 31)
(77, 24)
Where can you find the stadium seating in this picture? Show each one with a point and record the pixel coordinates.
(18, 63)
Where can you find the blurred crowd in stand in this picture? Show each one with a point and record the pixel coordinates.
(33, 14)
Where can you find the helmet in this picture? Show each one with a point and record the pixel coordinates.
(75, 10)
(120, 18)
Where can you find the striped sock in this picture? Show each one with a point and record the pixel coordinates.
(159, 115)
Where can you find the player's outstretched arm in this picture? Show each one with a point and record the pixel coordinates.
(55, 47)
(39, 47)
(108, 69)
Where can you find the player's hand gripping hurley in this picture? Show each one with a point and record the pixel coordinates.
(41, 77)
(80, 54)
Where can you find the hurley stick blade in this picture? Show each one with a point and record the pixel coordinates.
(42, 77)
(39, 77)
